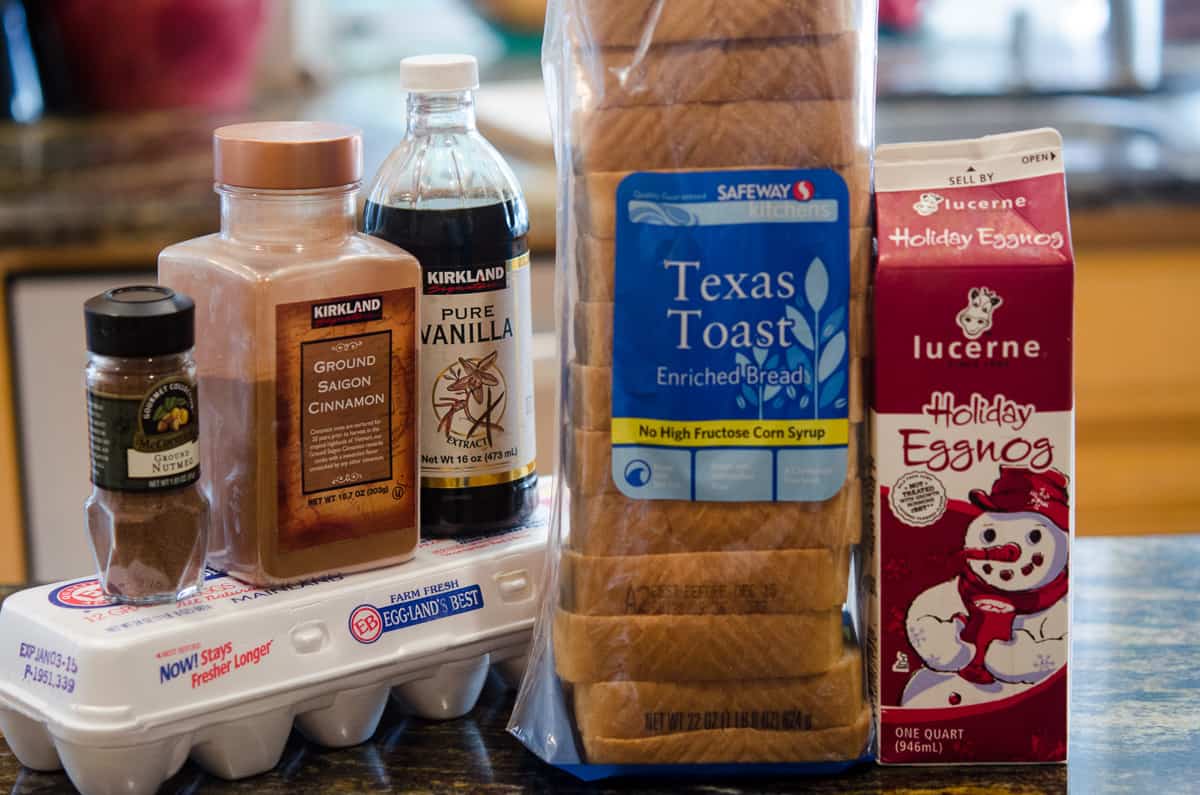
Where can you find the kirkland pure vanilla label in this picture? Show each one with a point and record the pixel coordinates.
(973, 451)
(477, 424)
(146, 443)
(346, 417)
(730, 336)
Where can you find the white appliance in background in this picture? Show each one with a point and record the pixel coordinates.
(48, 356)
(327, 40)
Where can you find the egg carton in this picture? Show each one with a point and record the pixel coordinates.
(121, 696)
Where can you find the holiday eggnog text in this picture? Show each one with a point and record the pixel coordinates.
(983, 236)
(922, 447)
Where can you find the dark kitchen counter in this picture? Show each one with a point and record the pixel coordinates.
(147, 178)
(1135, 720)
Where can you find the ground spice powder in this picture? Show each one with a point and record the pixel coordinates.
(147, 517)
(307, 347)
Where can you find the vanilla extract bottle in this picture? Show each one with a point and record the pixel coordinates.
(447, 196)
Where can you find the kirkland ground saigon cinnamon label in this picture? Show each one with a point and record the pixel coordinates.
(346, 379)
(477, 426)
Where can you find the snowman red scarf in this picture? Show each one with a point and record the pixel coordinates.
(992, 611)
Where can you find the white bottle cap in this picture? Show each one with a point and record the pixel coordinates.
(439, 73)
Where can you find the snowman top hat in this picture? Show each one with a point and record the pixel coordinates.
(1020, 490)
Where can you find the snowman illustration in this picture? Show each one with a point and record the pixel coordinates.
(1000, 626)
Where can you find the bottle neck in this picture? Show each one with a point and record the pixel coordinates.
(430, 113)
(292, 218)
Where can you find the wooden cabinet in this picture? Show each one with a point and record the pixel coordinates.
(1138, 387)
(43, 430)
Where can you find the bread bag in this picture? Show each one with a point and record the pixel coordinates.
(714, 255)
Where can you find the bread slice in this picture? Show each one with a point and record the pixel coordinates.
(705, 583)
(823, 67)
(589, 390)
(595, 262)
(613, 524)
(807, 133)
(734, 745)
(634, 23)
(589, 461)
(593, 321)
(695, 648)
(628, 710)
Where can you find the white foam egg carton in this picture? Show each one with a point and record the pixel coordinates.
(121, 696)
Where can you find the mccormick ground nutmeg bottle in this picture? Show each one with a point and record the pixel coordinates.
(446, 195)
(147, 517)
(307, 348)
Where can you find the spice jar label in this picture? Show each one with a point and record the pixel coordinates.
(346, 417)
(146, 443)
(477, 427)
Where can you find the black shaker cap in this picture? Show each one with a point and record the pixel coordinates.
(140, 321)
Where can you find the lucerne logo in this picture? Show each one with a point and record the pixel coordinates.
(974, 321)
(976, 318)
(930, 203)
(801, 191)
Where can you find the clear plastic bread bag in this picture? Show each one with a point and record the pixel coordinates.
(714, 250)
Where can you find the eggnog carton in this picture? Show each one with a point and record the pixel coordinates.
(973, 447)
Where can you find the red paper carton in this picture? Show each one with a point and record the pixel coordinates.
(973, 447)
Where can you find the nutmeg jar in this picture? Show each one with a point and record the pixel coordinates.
(147, 518)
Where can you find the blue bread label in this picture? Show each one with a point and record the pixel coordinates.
(731, 345)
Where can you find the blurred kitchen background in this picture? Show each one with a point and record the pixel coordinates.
(105, 158)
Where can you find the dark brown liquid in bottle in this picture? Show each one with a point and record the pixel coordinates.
(459, 239)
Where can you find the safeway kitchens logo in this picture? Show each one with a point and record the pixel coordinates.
(800, 190)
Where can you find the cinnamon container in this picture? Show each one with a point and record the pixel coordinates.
(307, 349)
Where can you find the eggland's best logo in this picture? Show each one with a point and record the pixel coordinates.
(976, 317)
(366, 624)
(89, 594)
(80, 595)
(469, 400)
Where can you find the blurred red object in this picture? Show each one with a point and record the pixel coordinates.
(900, 14)
(138, 54)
